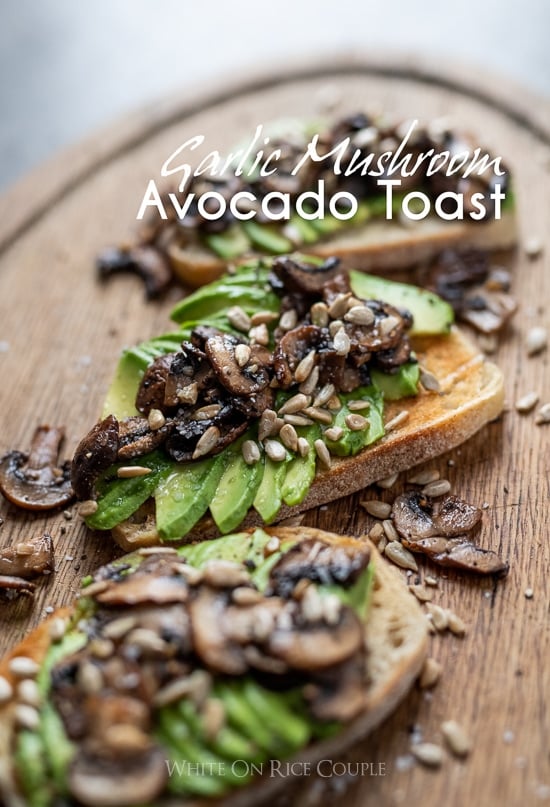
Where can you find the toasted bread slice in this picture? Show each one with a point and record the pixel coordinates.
(472, 394)
(396, 637)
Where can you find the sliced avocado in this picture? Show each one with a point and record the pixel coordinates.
(218, 297)
(401, 384)
(230, 244)
(431, 314)
(267, 237)
(119, 498)
(301, 470)
(269, 495)
(236, 489)
(183, 496)
(281, 715)
(242, 715)
(31, 765)
(228, 742)
(121, 396)
(351, 442)
(59, 750)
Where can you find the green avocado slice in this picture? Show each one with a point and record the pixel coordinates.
(235, 492)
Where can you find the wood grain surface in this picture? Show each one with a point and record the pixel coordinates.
(61, 334)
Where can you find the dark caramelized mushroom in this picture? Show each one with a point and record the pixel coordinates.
(35, 481)
(28, 559)
(304, 277)
(136, 438)
(145, 261)
(417, 516)
(97, 781)
(153, 385)
(210, 641)
(243, 381)
(459, 553)
(95, 453)
(319, 645)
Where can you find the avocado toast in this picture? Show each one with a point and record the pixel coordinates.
(265, 645)
(289, 384)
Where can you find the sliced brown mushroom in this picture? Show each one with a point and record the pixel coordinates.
(241, 381)
(317, 646)
(292, 348)
(153, 582)
(147, 262)
(417, 516)
(210, 641)
(153, 385)
(225, 427)
(339, 693)
(9, 584)
(95, 453)
(28, 559)
(35, 481)
(322, 563)
(99, 782)
(136, 438)
(459, 553)
(304, 277)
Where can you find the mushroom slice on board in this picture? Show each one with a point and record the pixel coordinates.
(36, 481)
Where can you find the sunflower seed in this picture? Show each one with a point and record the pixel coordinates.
(323, 453)
(207, 442)
(422, 594)
(297, 420)
(24, 550)
(319, 314)
(88, 508)
(119, 627)
(436, 489)
(89, 678)
(389, 530)
(288, 320)
(537, 339)
(303, 447)
(543, 415)
(457, 739)
(334, 433)
(358, 406)
(289, 437)
(527, 402)
(387, 324)
(213, 717)
(356, 423)
(430, 674)
(388, 481)
(439, 617)
(267, 422)
(273, 545)
(318, 414)
(341, 343)
(533, 247)
(238, 318)
(156, 420)
(397, 553)
(101, 648)
(23, 667)
(324, 395)
(242, 354)
(339, 305)
(188, 394)
(26, 717)
(429, 381)
(145, 551)
(244, 595)
(146, 640)
(58, 627)
(29, 693)
(400, 418)
(359, 315)
(275, 450)
(6, 690)
(305, 367)
(125, 738)
(308, 386)
(196, 685)
(528, 593)
(259, 335)
(428, 754)
(332, 609)
(424, 477)
(376, 508)
(250, 452)
(312, 605)
(455, 624)
(376, 532)
(334, 404)
(335, 326)
(263, 318)
(431, 581)
(132, 471)
(295, 404)
(94, 588)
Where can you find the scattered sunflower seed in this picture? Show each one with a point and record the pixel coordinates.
(305, 367)
(189, 393)
(456, 738)
(263, 318)
(422, 594)
(238, 318)
(436, 489)
(297, 420)
(376, 508)
(388, 481)
(6, 690)
(341, 343)
(132, 471)
(267, 423)
(388, 324)
(359, 315)
(456, 624)
(29, 693)
(429, 381)
(207, 442)
(397, 553)
(424, 477)
(396, 421)
(242, 354)
(439, 617)
(295, 404)
(376, 532)
(356, 423)
(339, 305)
(537, 339)
(289, 437)
(309, 385)
(250, 452)
(303, 447)
(57, 629)
(319, 314)
(259, 335)
(156, 419)
(389, 530)
(323, 453)
(527, 402)
(324, 395)
(529, 593)
(119, 627)
(23, 667)
(533, 247)
(543, 415)
(431, 581)
(334, 433)
(288, 320)
(275, 450)
(27, 717)
(320, 415)
(88, 508)
(358, 406)
(430, 674)
(428, 754)
(273, 545)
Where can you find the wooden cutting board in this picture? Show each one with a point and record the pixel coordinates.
(61, 334)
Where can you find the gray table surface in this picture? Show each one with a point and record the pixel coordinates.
(67, 67)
